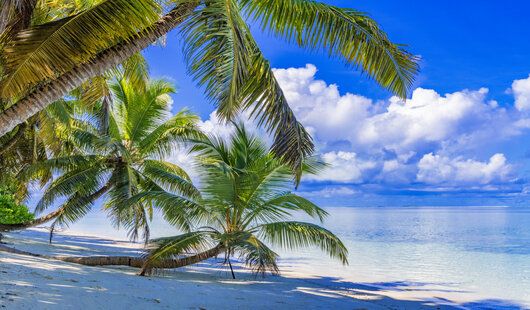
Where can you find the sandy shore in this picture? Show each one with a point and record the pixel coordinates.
(37, 283)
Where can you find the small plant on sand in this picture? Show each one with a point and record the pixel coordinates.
(244, 206)
(11, 211)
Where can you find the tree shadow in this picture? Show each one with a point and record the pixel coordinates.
(37, 241)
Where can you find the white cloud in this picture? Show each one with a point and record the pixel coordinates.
(214, 125)
(343, 167)
(424, 139)
(426, 119)
(436, 169)
(382, 141)
(328, 192)
(521, 92)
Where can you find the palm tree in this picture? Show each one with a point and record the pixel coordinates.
(46, 134)
(36, 139)
(243, 206)
(45, 62)
(125, 159)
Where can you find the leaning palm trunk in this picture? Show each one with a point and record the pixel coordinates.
(59, 87)
(147, 266)
(131, 261)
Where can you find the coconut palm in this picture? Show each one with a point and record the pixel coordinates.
(34, 141)
(46, 135)
(242, 209)
(37, 138)
(125, 159)
(46, 61)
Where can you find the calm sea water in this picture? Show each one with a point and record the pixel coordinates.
(458, 253)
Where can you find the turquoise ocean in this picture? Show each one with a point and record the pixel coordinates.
(479, 256)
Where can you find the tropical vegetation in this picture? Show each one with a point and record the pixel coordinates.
(119, 155)
(244, 206)
(11, 210)
(80, 117)
(50, 48)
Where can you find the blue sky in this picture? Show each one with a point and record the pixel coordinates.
(461, 137)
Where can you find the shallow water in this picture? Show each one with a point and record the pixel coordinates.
(479, 254)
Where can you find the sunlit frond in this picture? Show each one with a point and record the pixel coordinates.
(258, 256)
(170, 135)
(350, 35)
(293, 235)
(223, 56)
(170, 176)
(49, 49)
(171, 247)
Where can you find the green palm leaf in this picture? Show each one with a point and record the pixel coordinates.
(49, 49)
(170, 176)
(224, 57)
(78, 181)
(292, 235)
(351, 35)
(162, 140)
(257, 255)
(243, 199)
(170, 247)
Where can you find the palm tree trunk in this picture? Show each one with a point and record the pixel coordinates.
(130, 261)
(51, 91)
(147, 268)
(50, 216)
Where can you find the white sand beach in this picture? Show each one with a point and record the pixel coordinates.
(38, 283)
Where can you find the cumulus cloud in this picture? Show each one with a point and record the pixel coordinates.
(422, 123)
(384, 141)
(214, 125)
(329, 191)
(427, 139)
(521, 92)
(436, 169)
(343, 167)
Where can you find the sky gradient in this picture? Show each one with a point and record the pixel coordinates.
(460, 138)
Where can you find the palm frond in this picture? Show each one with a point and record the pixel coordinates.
(256, 255)
(81, 181)
(49, 49)
(147, 108)
(15, 15)
(77, 206)
(348, 34)
(170, 176)
(57, 165)
(172, 247)
(136, 71)
(179, 129)
(293, 235)
(177, 210)
(279, 207)
(223, 56)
